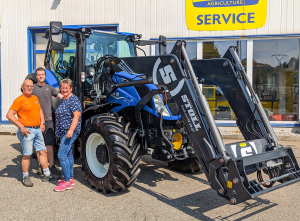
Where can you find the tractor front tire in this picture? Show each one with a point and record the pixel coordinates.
(189, 165)
(109, 153)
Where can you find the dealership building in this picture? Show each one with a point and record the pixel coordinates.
(270, 54)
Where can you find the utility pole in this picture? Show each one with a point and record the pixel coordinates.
(279, 57)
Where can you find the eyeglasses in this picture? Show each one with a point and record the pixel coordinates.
(28, 86)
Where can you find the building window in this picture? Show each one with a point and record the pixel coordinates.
(275, 77)
(218, 103)
(191, 49)
(39, 48)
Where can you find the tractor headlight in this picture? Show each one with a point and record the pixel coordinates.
(160, 106)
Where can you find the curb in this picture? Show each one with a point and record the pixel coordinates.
(7, 133)
(280, 138)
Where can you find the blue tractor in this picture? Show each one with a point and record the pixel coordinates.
(120, 124)
(135, 106)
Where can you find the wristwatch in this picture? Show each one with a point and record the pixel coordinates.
(43, 123)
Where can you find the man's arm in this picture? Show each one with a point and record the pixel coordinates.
(42, 126)
(60, 96)
(12, 118)
(55, 93)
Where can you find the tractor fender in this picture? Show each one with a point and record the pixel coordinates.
(97, 109)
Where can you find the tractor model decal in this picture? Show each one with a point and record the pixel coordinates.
(190, 115)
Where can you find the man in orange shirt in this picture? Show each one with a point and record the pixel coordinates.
(31, 124)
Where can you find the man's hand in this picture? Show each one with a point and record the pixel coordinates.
(24, 131)
(69, 134)
(42, 127)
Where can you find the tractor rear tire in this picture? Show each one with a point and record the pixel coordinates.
(189, 165)
(109, 153)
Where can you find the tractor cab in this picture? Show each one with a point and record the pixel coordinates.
(73, 53)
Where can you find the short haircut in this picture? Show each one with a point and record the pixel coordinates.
(40, 69)
(24, 84)
(67, 81)
(26, 80)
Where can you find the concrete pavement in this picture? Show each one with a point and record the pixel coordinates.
(159, 194)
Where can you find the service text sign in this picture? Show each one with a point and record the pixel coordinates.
(219, 15)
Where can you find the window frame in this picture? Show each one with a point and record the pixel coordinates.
(31, 31)
(249, 43)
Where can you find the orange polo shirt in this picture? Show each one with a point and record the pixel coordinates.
(28, 110)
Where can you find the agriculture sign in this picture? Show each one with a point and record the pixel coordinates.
(218, 15)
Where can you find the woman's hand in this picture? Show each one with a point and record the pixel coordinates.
(76, 115)
(69, 134)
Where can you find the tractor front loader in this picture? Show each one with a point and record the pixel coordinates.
(226, 166)
(154, 105)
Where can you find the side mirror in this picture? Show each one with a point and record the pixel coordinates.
(56, 36)
(162, 45)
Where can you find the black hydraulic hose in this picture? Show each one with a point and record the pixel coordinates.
(256, 100)
(273, 172)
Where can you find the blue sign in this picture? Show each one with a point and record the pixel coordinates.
(223, 3)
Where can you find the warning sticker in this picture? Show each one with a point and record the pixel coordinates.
(229, 184)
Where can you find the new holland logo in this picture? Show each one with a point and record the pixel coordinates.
(166, 73)
(218, 15)
(223, 3)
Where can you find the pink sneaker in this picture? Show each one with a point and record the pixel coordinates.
(72, 181)
(63, 187)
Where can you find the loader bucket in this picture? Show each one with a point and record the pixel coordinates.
(233, 176)
(249, 157)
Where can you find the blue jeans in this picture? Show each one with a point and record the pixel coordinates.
(35, 138)
(65, 156)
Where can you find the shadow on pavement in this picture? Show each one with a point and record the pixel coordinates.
(17, 147)
(154, 166)
(14, 170)
(198, 203)
(195, 204)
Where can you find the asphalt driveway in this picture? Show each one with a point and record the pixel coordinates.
(159, 194)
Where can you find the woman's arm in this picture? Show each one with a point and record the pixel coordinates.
(74, 123)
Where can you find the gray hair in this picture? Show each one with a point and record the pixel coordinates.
(67, 81)
(26, 80)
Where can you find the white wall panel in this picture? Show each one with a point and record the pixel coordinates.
(147, 17)
(265, 29)
(296, 17)
(276, 16)
(283, 20)
(289, 13)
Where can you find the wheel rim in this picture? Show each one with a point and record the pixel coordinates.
(98, 169)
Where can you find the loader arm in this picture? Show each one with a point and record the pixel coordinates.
(226, 166)
(243, 102)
